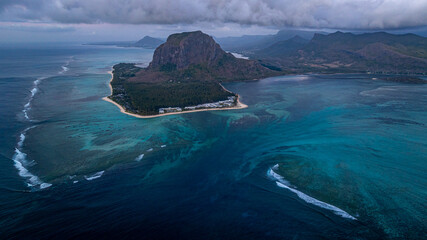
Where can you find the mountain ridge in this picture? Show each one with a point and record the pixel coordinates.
(379, 52)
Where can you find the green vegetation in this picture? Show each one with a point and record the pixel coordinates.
(146, 98)
(149, 97)
(380, 52)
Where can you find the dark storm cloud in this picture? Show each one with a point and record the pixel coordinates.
(355, 14)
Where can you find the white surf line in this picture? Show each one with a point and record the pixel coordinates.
(139, 158)
(33, 91)
(20, 158)
(94, 176)
(21, 162)
(281, 182)
(65, 67)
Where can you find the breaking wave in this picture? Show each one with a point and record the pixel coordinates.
(94, 176)
(33, 91)
(139, 158)
(281, 182)
(65, 67)
(21, 163)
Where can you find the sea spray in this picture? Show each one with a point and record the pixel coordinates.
(281, 182)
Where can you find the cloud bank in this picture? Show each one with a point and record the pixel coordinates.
(344, 14)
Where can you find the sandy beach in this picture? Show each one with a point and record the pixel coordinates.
(239, 105)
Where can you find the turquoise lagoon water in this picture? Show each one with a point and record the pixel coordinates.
(312, 157)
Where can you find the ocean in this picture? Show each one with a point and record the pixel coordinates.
(312, 157)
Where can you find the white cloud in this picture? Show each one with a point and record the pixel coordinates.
(350, 14)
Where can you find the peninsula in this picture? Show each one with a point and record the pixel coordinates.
(185, 75)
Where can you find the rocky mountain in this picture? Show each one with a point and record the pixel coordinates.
(195, 56)
(148, 42)
(185, 49)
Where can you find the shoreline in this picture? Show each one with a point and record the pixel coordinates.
(239, 105)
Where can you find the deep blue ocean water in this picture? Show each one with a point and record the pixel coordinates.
(312, 157)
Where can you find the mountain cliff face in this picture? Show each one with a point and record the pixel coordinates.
(196, 56)
(185, 49)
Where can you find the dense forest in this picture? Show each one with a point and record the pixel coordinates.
(146, 98)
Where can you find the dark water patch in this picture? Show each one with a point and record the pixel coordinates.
(87, 99)
(395, 121)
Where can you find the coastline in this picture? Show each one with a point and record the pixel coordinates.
(239, 105)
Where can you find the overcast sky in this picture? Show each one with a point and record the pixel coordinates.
(105, 20)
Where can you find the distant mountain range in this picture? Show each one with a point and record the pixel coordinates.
(250, 43)
(146, 42)
(346, 52)
(282, 48)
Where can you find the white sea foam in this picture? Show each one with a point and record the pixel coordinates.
(33, 92)
(139, 158)
(163, 146)
(45, 185)
(94, 176)
(21, 162)
(21, 140)
(65, 67)
(281, 182)
(149, 150)
(273, 175)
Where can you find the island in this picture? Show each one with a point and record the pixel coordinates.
(146, 42)
(184, 76)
